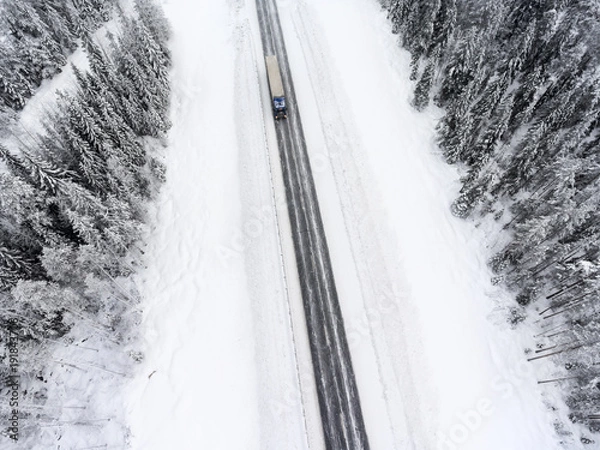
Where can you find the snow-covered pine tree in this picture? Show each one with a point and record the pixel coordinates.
(153, 18)
(423, 88)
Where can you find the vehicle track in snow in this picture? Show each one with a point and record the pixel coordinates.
(380, 290)
(339, 403)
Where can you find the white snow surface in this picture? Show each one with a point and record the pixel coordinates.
(227, 363)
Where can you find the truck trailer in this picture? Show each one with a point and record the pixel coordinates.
(276, 87)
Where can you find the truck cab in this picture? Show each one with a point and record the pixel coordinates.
(279, 108)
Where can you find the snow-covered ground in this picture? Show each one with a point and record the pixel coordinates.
(226, 355)
(221, 369)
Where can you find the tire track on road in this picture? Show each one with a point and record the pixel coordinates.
(339, 402)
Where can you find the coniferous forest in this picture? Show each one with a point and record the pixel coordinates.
(37, 38)
(519, 84)
(74, 195)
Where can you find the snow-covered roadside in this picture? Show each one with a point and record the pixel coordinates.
(198, 368)
(220, 369)
(431, 313)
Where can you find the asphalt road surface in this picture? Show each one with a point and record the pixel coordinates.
(339, 403)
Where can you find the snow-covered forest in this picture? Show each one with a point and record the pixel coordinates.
(149, 283)
(520, 87)
(37, 38)
(73, 197)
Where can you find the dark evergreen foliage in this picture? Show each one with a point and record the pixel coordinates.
(520, 85)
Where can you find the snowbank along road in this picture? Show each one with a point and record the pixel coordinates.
(339, 403)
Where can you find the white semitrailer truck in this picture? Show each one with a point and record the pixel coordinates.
(276, 87)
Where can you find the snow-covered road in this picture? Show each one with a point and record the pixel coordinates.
(339, 401)
(227, 363)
